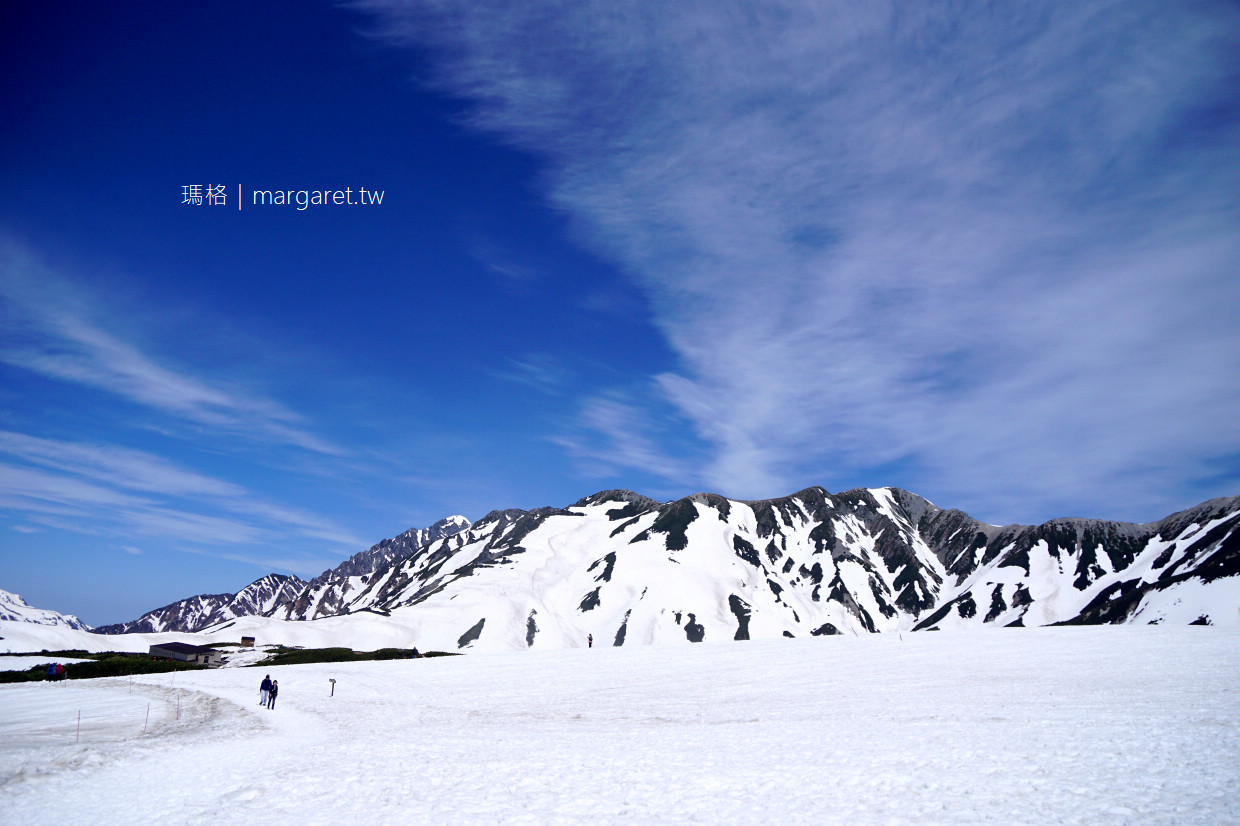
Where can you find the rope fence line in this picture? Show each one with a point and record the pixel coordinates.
(88, 722)
(126, 709)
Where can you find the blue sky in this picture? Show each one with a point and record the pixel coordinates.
(985, 253)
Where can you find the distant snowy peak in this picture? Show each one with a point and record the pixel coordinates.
(447, 526)
(258, 598)
(14, 609)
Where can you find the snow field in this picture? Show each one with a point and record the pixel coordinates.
(1097, 725)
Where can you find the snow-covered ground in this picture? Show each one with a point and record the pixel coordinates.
(362, 631)
(1101, 725)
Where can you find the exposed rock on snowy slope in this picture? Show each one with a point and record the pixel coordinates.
(258, 598)
(330, 593)
(14, 609)
(1182, 569)
(632, 570)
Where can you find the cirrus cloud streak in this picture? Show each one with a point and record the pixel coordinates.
(988, 249)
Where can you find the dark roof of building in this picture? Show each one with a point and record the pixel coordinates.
(182, 648)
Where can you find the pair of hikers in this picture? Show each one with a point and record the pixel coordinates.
(56, 671)
(267, 692)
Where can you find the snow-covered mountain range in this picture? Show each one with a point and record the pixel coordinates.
(14, 609)
(631, 570)
(625, 568)
(259, 598)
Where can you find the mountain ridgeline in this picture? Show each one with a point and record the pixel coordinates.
(258, 598)
(287, 596)
(631, 570)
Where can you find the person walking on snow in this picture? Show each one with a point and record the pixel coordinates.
(589, 640)
(271, 695)
(264, 690)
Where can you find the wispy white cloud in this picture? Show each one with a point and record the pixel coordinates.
(51, 329)
(116, 466)
(991, 246)
(541, 371)
(630, 438)
(55, 327)
(501, 261)
(93, 488)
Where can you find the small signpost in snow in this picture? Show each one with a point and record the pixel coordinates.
(332, 680)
